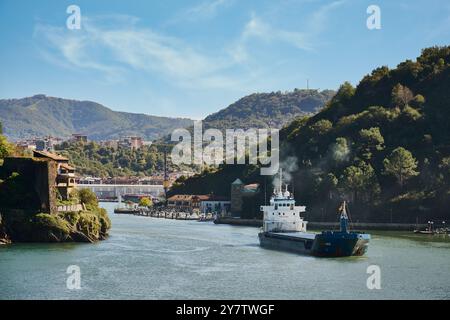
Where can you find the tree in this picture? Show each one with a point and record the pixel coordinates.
(410, 114)
(145, 202)
(401, 164)
(327, 184)
(401, 95)
(444, 170)
(419, 101)
(361, 180)
(370, 140)
(88, 197)
(321, 127)
(94, 159)
(346, 92)
(6, 148)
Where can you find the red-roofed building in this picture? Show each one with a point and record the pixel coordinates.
(206, 203)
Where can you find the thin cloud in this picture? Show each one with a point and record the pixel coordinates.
(112, 51)
(208, 9)
(318, 21)
(115, 46)
(65, 49)
(205, 10)
(258, 29)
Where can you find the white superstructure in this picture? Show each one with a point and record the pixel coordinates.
(282, 215)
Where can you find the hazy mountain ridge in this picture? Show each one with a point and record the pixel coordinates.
(41, 115)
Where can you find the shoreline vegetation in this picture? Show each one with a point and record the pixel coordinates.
(32, 208)
(90, 225)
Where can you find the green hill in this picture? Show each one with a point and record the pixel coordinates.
(265, 110)
(384, 146)
(275, 109)
(41, 115)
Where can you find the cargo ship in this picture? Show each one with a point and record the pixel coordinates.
(285, 229)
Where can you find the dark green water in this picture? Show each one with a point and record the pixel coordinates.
(148, 258)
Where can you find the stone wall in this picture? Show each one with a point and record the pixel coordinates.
(41, 175)
(71, 208)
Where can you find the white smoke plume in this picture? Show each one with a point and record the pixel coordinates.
(340, 150)
(289, 166)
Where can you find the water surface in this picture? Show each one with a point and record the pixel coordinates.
(149, 258)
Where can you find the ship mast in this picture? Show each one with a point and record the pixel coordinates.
(344, 217)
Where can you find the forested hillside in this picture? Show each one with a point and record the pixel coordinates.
(275, 109)
(94, 159)
(384, 146)
(41, 115)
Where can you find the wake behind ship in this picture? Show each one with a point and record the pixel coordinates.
(284, 229)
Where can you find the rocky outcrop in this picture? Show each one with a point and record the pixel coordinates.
(83, 226)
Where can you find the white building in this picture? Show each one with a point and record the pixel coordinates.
(214, 204)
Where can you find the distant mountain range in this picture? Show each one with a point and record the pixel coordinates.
(41, 115)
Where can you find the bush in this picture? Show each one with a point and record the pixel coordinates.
(89, 224)
(51, 228)
(105, 222)
(88, 198)
(72, 218)
(95, 223)
(145, 202)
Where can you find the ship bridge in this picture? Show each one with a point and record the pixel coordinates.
(282, 215)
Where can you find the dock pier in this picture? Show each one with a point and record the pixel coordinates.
(166, 213)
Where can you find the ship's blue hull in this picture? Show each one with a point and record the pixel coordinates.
(325, 244)
(340, 244)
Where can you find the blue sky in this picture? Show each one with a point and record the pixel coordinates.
(193, 58)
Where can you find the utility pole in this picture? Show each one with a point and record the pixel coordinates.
(166, 178)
